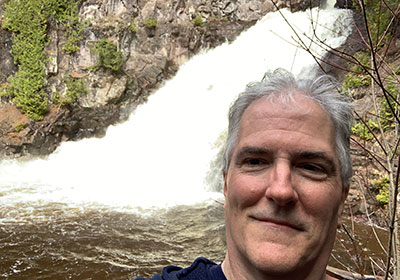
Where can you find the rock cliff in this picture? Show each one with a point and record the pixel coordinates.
(152, 37)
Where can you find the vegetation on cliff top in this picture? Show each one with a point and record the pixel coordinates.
(108, 56)
(28, 20)
(75, 88)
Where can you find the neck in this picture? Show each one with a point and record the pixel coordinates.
(236, 272)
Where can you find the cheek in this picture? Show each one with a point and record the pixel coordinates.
(320, 201)
(243, 191)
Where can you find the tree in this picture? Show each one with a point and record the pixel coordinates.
(372, 67)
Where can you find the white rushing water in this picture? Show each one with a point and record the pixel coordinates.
(161, 155)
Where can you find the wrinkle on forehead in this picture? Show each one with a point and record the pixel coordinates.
(293, 105)
(267, 113)
(292, 102)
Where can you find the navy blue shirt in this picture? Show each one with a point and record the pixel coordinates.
(201, 269)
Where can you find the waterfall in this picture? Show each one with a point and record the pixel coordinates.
(161, 155)
(330, 4)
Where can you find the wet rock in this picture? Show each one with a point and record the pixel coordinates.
(298, 5)
(103, 90)
(7, 62)
(344, 4)
(150, 55)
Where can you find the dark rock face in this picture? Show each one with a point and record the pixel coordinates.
(333, 61)
(7, 62)
(344, 4)
(151, 55)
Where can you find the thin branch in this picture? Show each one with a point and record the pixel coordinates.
(369, 152)
(393, 220)
(373, 134)
(357, 262)
(343, 55)
(378, 76)
(395, 149)
(348, 268)
(297, 35)
(370, 222)
(373, 262)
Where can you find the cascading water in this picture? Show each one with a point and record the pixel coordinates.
(161, 155)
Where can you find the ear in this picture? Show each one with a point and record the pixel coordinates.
(225, 185)
(345, 192)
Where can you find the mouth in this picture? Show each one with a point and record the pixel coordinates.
(279, 223)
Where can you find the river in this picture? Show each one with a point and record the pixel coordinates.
(148, 194)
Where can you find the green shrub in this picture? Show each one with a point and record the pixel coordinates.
(379, 17)
(198, 20)
(383, 196)
(74, 36)
(384, 116)
(108, 56)
(19, 127)
(357, 76)
(359, 129)
(6, 90)
(75, 89)
(353, 80)
(133, 27)
(382, 186)
(387, 117)
(66, 12)
(28, 20)
(150, 22)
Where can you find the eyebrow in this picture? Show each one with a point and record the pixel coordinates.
(251, 150)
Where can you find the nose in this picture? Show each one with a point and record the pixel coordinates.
(280, 187)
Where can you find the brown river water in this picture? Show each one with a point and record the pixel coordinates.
(54, 241)
(52, 222)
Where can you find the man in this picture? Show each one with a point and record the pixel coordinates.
(286, 171)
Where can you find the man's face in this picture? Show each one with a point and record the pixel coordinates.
(283, 190)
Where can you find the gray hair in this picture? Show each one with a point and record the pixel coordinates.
(324, 90)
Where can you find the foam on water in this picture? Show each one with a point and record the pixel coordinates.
(160, 156)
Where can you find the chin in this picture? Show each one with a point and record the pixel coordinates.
(276, 261)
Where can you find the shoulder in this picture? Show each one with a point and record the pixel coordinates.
(200, 262)
(197, 270)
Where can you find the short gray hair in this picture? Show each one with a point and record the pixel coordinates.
(323, 90)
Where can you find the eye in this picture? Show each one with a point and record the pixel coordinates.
(312, 170)
(312, 167)
(253, 164)
(252, 161)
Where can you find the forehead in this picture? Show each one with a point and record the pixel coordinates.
(275, 106)
(273, 119)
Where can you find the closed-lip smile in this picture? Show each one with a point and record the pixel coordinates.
(279, 223)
